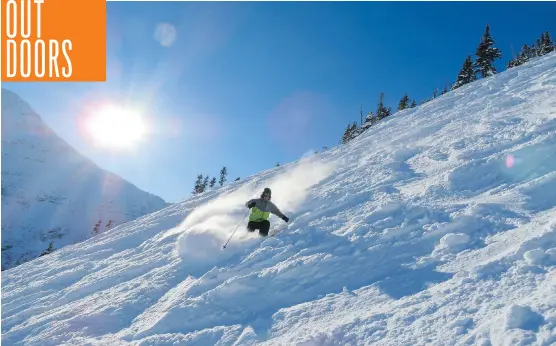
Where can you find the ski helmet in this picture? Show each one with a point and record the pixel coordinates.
(266, 191)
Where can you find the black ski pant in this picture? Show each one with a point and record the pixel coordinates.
(263, 227)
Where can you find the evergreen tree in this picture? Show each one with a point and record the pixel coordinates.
(223, 174)
(435, 93)
(355, 130)
(404, 103)
(445, 90)
(547, 45)
(370, 120)
(108, 225)
(205, 183)
(350, 133)
(48, 250)
(237, 179)
(347, 134)
(96, 228)
(525, 55)
(277, 164)
(466, 75)
(486, 54)
(413, 104)
(381, 111)
(198, 185)
(212, 182)
(538, 46)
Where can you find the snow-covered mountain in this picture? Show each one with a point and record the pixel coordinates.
(51, 193)
(435, 227)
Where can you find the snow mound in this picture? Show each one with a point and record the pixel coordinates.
(453, 241)
(522, 317)
(534, 257)
(437, 226)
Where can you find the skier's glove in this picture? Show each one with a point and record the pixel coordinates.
(251, 205)
(285, 218)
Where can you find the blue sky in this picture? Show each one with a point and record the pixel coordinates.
(247, 85)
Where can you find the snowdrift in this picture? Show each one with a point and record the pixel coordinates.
(435, 227)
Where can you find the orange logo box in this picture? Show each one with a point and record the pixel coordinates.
(53, 40)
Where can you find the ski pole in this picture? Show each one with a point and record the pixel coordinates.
(236, 228)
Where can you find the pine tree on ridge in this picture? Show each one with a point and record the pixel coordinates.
(486, 55)
(466, 75)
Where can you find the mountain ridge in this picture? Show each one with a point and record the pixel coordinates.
(43, 178)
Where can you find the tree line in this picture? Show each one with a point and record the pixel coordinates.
(485, 55)
(482, 66)
(542, 46)
(202, 182)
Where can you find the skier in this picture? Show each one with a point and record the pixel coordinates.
(260, 211)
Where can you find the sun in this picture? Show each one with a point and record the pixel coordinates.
(115, 127)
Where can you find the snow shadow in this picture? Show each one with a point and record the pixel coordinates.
(408, 281)
(517, 167)
(540, 195)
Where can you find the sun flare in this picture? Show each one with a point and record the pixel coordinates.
(116, 127)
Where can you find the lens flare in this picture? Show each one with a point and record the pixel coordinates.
(510, 161)
(165, 34)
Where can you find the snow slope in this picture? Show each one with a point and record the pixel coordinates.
(52, 193)
(436, 227)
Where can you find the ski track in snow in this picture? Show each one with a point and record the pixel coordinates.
(435, 227)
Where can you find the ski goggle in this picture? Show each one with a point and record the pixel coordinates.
(266, 195)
